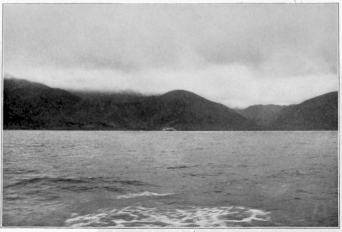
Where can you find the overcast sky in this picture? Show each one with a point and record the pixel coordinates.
(235, 54)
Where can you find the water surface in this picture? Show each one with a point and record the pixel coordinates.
(170, 179)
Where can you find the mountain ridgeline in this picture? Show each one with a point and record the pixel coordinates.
(262, 115)
(29, 105)
(319, 113)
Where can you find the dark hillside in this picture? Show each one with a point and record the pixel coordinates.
(29, 105)
(319, 113)
(184, 110)
(262, 115)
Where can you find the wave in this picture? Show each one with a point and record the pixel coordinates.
(143, 194)
(20, 171)
(182, 166)
(138, 216)
(77, 184)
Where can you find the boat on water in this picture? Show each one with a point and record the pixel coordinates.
(169, 129)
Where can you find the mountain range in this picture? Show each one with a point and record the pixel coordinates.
(30, 105)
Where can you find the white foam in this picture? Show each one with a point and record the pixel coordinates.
(138, 216)
(144, 194)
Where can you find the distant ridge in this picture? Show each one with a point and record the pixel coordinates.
(30, 105)
(319, 113)
(262, 115)
(184, 110)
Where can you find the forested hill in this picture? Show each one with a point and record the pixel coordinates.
(262, 115)
(29, 105)
(319, 113)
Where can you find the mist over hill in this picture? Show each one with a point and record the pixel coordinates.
(30, 105)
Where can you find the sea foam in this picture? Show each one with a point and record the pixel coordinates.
(139, 216)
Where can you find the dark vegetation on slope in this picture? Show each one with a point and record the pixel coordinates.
(185, 110)
(262, 115)
(319, 113)
(29, 105)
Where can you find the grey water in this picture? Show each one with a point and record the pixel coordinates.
(170, 179)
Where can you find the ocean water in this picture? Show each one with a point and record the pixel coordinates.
(170, 179)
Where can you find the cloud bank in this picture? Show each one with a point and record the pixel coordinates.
(236, 54)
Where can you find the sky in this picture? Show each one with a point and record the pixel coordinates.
(235, 54)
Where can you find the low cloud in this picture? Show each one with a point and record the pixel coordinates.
(236, 54)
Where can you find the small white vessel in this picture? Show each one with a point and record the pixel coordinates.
(169, 129)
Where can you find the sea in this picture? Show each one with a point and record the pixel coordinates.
(170, 179)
